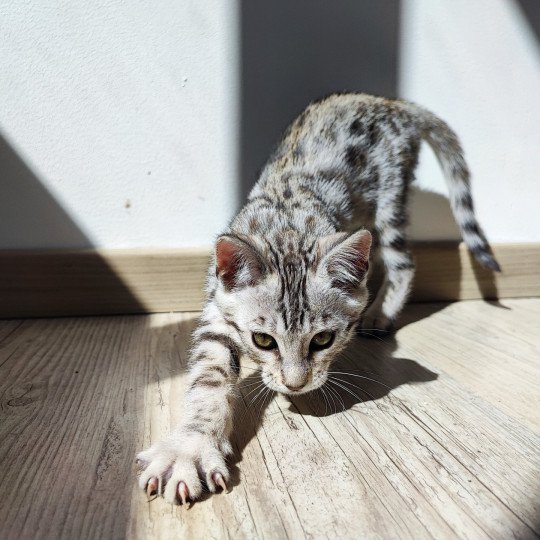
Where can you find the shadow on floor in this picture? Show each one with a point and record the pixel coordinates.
(366, 371)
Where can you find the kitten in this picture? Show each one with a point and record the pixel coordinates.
(287, 284)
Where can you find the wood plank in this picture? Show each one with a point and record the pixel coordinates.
(435, 451)
(71, 416)
(69, 283)
(87, 282)
(494, 350)
(448, 272)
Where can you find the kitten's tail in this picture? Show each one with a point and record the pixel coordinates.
(447, 148)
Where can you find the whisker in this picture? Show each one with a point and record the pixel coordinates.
(351, 370)
(261, 384)
(243, 384)
(258, 394)
(245, 402)
(334, 392)
(264, 393)
(260, 402)
(366, 331)
(354, 394)
(359, 376)
(263, 405)
(256, 382)
(325, 400)
(371, 396)
(246, 409)
(254, 398)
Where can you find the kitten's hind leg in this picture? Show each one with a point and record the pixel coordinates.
(398, 266)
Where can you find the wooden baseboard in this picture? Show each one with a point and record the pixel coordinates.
(61, 283)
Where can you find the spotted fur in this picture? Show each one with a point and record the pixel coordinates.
(295, 261)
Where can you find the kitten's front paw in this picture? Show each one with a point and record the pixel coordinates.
(173, 468)
(375, 324)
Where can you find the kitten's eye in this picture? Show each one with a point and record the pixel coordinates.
(264, 341)
(322, 340)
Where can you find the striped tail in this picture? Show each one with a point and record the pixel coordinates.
(447, 148)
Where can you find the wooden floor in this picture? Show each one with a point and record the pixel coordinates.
(448, 446)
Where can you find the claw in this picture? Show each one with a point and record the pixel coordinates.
(151, 487)
(141, 464)
(183, 492)
(218, 479)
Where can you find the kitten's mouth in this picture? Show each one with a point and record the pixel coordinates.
(295, 391)
(282, 388)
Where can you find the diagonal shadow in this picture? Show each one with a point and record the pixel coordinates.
(32, 218)
(531, 11)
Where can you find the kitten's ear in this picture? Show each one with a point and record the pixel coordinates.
(238, 263)
(345, 259)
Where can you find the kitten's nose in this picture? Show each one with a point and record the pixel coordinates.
(295, 388)
(294, 375)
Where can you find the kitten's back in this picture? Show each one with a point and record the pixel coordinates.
(368, 147)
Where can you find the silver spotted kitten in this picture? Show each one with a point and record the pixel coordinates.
(287, 284)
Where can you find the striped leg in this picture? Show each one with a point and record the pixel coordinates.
(200, 445)
(398, 268)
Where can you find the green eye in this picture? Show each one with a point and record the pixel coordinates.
(322, 340)
(264, 341)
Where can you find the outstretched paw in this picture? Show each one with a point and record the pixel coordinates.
(179, 470)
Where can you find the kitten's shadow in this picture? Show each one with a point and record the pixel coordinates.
(366, 371)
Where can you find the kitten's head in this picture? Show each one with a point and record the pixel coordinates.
(295, 306)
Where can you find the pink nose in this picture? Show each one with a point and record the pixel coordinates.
(295, 388)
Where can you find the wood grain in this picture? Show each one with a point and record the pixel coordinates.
(63, 283)
(442, 440)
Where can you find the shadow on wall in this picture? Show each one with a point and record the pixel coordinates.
(531, 11)
(30, 217)
(295, 52)
(431, 212)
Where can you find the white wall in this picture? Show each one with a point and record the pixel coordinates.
(126, 113)
(477, 65)
(120, 119)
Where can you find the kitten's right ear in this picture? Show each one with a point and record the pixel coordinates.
(238, 263)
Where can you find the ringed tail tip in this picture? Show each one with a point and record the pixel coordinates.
(487, 260)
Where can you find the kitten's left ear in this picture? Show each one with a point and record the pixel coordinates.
(345, 259)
